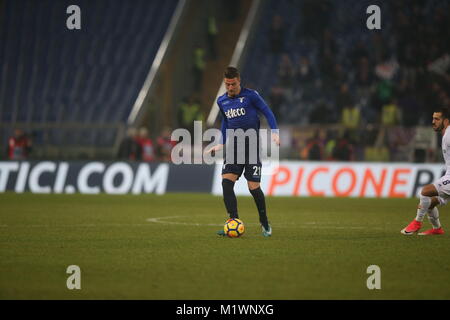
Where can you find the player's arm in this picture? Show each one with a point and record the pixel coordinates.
(223, 128)
(262, 106)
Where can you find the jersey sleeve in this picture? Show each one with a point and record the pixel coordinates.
(446, 140)
(224, 125)
(262, 107)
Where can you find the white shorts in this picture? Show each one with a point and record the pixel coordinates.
(443, 188)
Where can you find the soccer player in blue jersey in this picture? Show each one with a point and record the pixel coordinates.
(240, 108)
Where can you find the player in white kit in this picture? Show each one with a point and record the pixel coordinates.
(437, 193)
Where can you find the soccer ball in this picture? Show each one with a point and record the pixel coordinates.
(234, 228)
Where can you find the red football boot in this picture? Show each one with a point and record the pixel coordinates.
(412, 228)
(432, 232)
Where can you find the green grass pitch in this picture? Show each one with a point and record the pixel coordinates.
(165, 247)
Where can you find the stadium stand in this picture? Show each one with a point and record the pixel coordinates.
(75, 87)
(342, 28)
(315, 62)
(318, 64)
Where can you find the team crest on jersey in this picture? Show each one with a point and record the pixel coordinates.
(241, 99)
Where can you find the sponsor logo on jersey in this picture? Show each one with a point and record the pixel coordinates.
(233, 113)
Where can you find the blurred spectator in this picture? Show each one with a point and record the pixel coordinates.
(276, 100)
(19, 145)
(330, 144)
(337, 76)
(343, 98)
(379, 51)
(327, 60)
(410, 110)
(188, 112)
(147, 150)
(350, 121)
(379, 154)
(382, 95)
(375, 144)
(129, 147)
(212, 37)
(344, 149)
(370, 135)
(199, 66)
(305, 78)
(328, 44)
(397, 138)
(359, 52)
(391, 114)
(351, 117)
(314, 149)
(286, 72)
(322, 113)
(387, 69)
(304, 71)
(277, 34)
(364, 76)
(164, 145)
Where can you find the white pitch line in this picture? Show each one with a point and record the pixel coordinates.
(163, 220)
(158, 220)
(307, 225)
(77, 225)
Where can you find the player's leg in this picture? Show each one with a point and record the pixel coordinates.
(428, 202)
(253, 176)
(230, 173)
(433, 216)
(260, 201)
(229, 197)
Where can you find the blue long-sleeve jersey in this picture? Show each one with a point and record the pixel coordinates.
(241, 111)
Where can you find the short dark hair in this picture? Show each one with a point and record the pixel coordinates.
(231, 73)
(444, 111)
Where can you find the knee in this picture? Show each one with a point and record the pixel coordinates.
(434, 202)
(425, 202)
(253, 185)
(428, 191)
(227, 184)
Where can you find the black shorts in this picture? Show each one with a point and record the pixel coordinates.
(252, 172)
(251, 166)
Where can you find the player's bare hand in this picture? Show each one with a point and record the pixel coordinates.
(215, 148)
(276, 138)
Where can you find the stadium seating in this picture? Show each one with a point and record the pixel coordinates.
(52, 75)
(346, 20)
